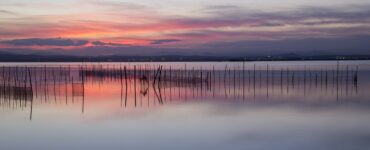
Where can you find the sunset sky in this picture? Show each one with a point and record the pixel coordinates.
(185, 27)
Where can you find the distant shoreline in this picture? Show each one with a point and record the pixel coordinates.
(176, 61)
(174, 58)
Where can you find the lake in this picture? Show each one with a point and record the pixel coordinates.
(185, 105)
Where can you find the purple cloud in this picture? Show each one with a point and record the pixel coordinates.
(45, 42)
(100, 43)
(164, 41)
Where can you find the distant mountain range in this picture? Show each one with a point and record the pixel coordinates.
(10, 57)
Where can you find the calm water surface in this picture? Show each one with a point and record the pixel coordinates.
(319, 105)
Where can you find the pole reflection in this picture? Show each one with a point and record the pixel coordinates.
(146, 85)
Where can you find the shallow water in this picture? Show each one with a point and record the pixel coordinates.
(197, 105)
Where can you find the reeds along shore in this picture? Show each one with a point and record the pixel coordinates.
(21, 85)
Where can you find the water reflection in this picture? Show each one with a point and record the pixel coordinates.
(239, 105)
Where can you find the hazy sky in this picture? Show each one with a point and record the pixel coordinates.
(204, 27)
